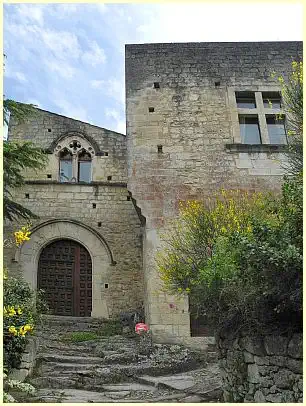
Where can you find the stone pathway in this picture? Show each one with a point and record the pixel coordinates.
(117, 369)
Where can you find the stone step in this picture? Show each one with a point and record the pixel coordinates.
(65, 320)
(70, 395)
(70, 359)
(212, 356)
(55, 382)
(58, 349)
(65, 367)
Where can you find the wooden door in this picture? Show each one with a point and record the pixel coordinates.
(65, 274)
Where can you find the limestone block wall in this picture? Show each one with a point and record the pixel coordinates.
(262, 369)
(104, 207)
(183, 138)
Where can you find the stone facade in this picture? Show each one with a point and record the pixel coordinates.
(183, 142)
(183, 139)
(262, 369)
(111, 231)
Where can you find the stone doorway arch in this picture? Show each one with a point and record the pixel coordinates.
(102, 260)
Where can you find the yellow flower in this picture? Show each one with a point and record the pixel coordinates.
(11, 311)
(19, 311)
(27, 327)
(12, 330)
(22, 235)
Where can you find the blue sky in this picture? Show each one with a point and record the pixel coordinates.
(69, 58)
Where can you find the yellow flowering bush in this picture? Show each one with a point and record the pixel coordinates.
(20, 312)
(192, 242)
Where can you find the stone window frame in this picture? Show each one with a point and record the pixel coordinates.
(75, 145)
(260, 111)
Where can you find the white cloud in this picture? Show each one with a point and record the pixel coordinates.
(143, 28)
(65, 9)
(62, 68)
(20, 77)
(121, 127)
(95, 55)
(64, 44)
(111, 87)
(31, 13)
(119, 122)
(101, 7)
(13, 74)
(112, 113)
(71, 110)
(96, 84)
(210, 22)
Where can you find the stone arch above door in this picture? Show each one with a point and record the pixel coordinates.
(101, 256)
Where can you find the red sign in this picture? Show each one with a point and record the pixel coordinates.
(141, 327)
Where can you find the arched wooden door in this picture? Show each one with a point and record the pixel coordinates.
(65, 274)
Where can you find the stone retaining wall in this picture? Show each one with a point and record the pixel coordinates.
(27, 361)
(262, 369)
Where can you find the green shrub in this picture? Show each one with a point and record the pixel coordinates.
(246, 277)
(22, 308)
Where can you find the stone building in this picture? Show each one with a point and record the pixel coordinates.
(200, 117)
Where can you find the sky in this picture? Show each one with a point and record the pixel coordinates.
(69, 58)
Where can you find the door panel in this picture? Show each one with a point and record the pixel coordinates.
(65, 274)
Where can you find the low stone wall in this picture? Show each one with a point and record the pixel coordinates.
(262, 369)
(27, 361)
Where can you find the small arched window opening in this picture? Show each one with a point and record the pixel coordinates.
(84, 167)
(65, 167)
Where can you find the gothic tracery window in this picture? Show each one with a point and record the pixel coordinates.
(75, 161)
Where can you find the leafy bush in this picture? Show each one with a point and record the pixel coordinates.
(21, 312)
(22, 308)
(245, 273)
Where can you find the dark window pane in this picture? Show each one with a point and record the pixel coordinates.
(249, 130)
(245, 100)
(84, 171)
(65, 170)
(271, 100)
(276, 130)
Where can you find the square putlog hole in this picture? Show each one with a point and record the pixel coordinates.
(100, 224)
(160, 149)
(151, 109)
(49, 176)
(156, 85)
(94, 205)
(217, 84)
(109, 178)
(27, 196)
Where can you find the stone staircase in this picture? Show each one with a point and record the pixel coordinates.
(114, 368)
